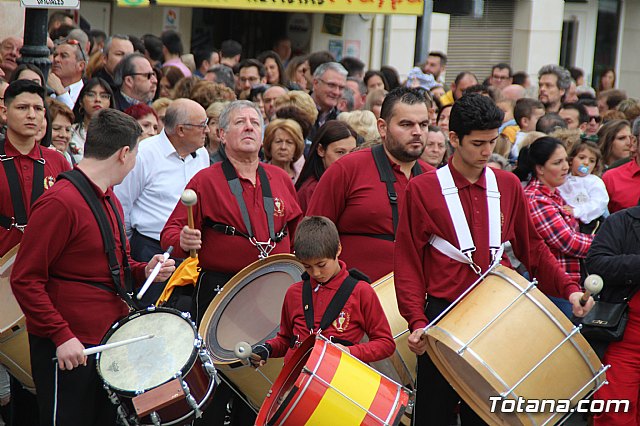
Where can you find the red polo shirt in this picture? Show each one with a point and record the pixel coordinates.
(306, 191)
(351, 194)
(61, 250)
(421, 269)
(362, 314)
(623, 186)
(54, 164)
(231, 253)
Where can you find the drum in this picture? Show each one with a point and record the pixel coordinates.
(401, 366)
(14, 341)
(132, 371)
(248, 309)
(507, 340)
(323, 385)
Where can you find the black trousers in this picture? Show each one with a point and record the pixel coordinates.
(240, 414)
(74, 397)
(142, 249)
(435, 398)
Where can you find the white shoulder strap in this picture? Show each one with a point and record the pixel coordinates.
(451, 197)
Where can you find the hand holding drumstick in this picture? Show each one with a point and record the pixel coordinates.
(190, 238)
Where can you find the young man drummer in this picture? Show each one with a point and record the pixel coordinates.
(63, 280)
(428, 220)
(330, 301)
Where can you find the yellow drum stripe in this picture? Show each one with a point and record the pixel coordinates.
(357, 382)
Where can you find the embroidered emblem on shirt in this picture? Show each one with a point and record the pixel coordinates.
(49, 181)
(278, 207)
(342, 322)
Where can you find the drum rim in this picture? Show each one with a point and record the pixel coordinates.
(11, 255)
(220, 302)
(197, 344)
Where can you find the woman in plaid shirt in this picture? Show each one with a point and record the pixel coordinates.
(545, 161)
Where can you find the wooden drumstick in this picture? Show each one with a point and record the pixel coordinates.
(593, 285)
(189, 198)
(96, 349)
(243, 351)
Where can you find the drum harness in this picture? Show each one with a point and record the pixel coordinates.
(264, 247)
(465, 253)
(19, 219)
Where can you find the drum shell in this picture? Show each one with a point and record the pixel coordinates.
(192, 372)
(508, 349)
(313, 365)
(14, 341)
(402, 365)
(288, 271)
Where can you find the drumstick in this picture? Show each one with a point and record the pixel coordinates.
(189, 198)
(154, 273)
(593, 285)
(243, 351)
(101, 348)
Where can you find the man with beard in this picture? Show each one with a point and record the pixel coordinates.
(361, 192)
(137, 81)
(553, 83)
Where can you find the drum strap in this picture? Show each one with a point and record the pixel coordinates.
(264, 248)
(19, 219)
(80, 181)
(386, 175)
(467, 246)
(335, 306)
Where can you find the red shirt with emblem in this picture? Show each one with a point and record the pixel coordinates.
(216, 202)
(351, 194)
(61, 251)
(54, 164)
(420, 269)
(362, 314)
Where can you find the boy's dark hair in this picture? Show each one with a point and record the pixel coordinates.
(524, 108)
(171, 40)
(108, 131)
(406, 95)
(316, 238)
(474, 112)
(19, 87)
(583, 115)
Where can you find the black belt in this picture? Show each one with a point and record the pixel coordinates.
(232, 230)
(385, 237)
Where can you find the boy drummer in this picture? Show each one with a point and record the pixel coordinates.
(330, 300)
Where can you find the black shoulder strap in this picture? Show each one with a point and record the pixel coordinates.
(15, 188)
(335, 306)
(416, 170)
(387, 176)
(84, 187)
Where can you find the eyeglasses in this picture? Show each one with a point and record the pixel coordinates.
(333, 86)
(500, 78)
(597, 118)
(93, 95)
(149, 75)
(72, 42)
(202, 126)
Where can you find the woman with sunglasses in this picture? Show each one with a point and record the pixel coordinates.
(94, 96)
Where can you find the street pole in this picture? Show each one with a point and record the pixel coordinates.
(423, 33)
(35, 50)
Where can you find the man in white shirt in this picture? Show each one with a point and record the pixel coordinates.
(164, 165)
(69, 63)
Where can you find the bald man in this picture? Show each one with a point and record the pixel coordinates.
(164, 164)
(10, 52)
(513, 92)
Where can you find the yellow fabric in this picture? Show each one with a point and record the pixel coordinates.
(186, 274)
(510, 132)
(447, 98)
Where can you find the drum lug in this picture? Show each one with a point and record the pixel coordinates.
(207, 363)
(155, 419)
(186, 315)
(190, 399)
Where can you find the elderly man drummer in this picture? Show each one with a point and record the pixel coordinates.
(429, 260)
(63, 280)
(245, 211)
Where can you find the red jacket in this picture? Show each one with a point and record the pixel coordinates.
(362, 314)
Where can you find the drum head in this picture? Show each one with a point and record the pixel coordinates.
(143, 365)
(249, 307)
(11, 312)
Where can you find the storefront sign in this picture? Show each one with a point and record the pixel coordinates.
(401, 7)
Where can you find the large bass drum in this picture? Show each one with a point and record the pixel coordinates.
(248, 309)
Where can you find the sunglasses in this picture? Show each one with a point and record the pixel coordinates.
(72, 42)
(144, 74)
(597, 118)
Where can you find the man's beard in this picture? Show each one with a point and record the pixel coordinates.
(400, 153)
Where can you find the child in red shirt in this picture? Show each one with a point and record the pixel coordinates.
(317, 247)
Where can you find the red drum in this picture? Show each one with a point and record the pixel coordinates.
(323, 385)
(175, 352)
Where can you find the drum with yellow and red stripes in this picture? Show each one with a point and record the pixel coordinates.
(324, 385)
